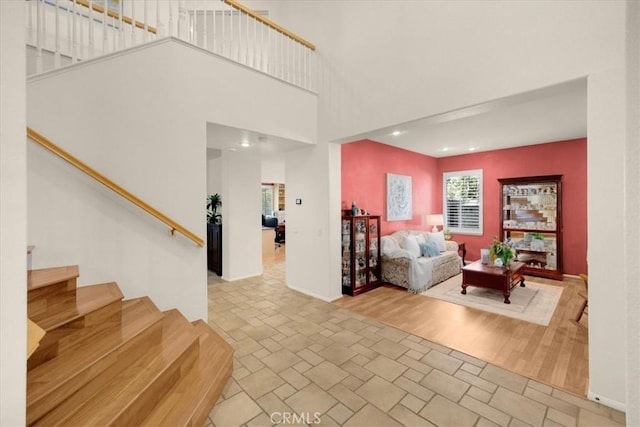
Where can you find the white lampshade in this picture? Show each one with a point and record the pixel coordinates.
(435, 220)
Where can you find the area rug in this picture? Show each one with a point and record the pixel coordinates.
(534, 303)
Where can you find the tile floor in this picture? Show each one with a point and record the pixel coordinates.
(302, 361)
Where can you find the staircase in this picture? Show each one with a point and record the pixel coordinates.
(109, 361)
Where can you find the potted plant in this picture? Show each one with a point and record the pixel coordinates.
(214, 201)
(501, 251)
(447, 234)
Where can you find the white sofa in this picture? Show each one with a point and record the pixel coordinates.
(403, 266)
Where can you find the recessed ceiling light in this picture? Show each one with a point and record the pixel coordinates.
(396, 133)
(245, 144)
(445, 149)
(472, 149)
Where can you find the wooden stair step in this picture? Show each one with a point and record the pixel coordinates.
(66, 310)
(49, 286)
(69, 336)
(126, 397)
(53, 381)
(191, 400)
(43, 277)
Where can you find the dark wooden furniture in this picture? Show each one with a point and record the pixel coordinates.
(462, 249)
(214, 248)
(531, 221)
(488, 276)
(361, 266)
(280, 234)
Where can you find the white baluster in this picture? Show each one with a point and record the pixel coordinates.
(181, 19)
(171, 30)
(69, 19)
(30, 6)
(223, 38)
(231, 37)
(74, 36)
(91, 30)
(45, 35)
(194, 24)
(39, 36)
(205, 43)
(159, 25)
(133, 23)
(145, 37)
(56, 53)
(122, 42)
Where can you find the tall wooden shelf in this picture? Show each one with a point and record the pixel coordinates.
(531, 222)
(360, 254)
(280, 198)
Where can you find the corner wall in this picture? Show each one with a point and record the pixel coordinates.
(13, 215)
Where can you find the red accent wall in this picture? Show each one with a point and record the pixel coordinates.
(365, 163)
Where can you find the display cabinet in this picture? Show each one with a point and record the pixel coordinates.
(531, 222)
(281, 197)
(360, 254)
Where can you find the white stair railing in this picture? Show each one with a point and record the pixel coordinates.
(61, 32)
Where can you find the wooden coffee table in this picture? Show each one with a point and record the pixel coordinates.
(488, 276)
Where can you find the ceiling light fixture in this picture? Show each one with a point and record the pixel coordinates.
(396, 133)
(245, 144)
(472, 149)
(445, 149)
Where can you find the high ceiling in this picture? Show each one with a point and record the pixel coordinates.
(550, 114)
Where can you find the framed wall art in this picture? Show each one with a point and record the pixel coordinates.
(399, 197)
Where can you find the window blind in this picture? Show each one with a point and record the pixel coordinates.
(462, 194)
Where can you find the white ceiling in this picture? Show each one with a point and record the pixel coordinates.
(221, 137)
(550, 114)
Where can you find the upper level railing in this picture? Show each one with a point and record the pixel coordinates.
(173, 225)
(62, 32)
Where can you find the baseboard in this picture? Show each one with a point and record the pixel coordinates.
(311, 294)
(607, 402)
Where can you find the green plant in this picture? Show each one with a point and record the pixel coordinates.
(447, 234)
(501, 250)
(214, 201)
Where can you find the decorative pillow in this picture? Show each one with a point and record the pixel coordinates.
(429, 249)
(420, 238)
(389, 244)
(438, 239)
(410, 244)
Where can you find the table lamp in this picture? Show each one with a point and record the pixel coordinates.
(435, 220)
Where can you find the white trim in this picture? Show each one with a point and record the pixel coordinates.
(311, 294)
(607, 402)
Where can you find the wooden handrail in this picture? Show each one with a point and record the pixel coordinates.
(35, 136)
(270, 23)
(111, 13)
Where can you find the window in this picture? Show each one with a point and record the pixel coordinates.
(267, 200)
(462, 194)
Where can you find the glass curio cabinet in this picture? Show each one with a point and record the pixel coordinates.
(531, 222)
(360, 254)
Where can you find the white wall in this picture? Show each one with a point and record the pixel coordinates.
(13, 213)
(241, 215)
(388, 62)
(273, 170)
(214, 171)
(154, 104)
(632, 213)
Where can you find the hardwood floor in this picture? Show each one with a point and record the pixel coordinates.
(555, 355)
(271, 254)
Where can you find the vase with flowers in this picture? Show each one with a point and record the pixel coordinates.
(501, 253)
